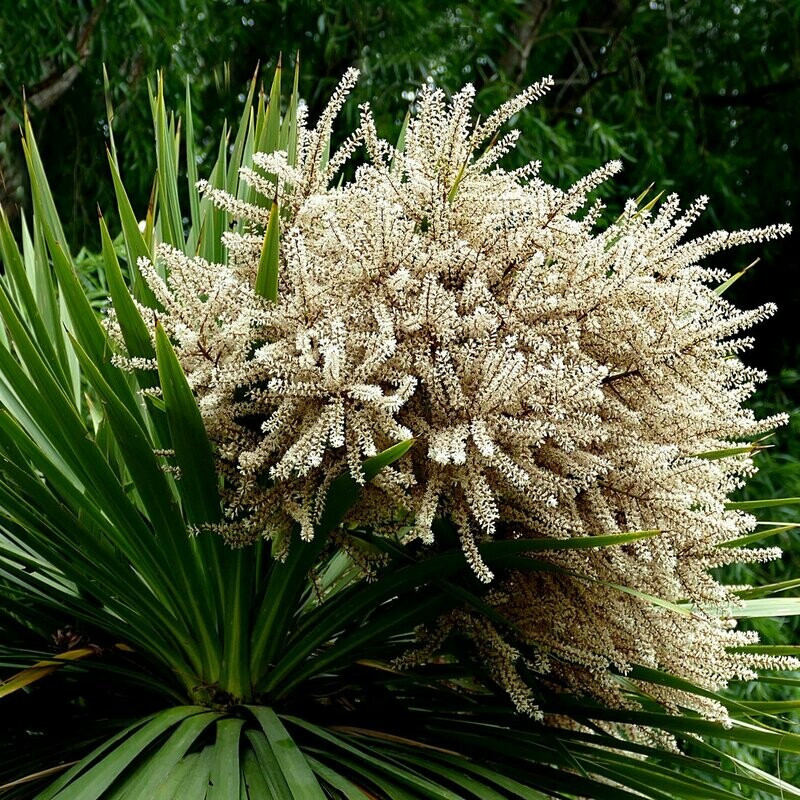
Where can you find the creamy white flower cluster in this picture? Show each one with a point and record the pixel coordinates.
(560, 380)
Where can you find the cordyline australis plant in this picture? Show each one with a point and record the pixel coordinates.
(402, 486)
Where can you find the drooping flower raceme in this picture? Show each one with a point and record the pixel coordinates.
(561, 379)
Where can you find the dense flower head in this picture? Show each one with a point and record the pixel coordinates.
(561, 379)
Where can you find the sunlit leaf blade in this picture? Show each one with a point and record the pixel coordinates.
(270, 769)
(45, 220)
(744, 541)
(41, 188)
(272, 125)
(198, 479)
(754, 505)
(268, 265)
(86, 328)
(190, 580)
(154, 772)
(18, 281)
(226, 770)
(769, 649)
(292, 763)
(400, 146)
(94, 780)
(134, 240)
(344, 490)
(498, 550)
(451, 195)
(766, 589)
(132, 326)
(214, 220)
(764, 607)
(263, 114)
(109, 115)
(729, 452)
(171, 218)
(41, 670)
(723, 287)
(288, 133)
(191, 174)
(237, 154)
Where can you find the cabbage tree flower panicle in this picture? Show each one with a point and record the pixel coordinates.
(561, 379)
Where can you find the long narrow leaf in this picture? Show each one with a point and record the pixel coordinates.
(267, 277)
(298, 774)
(198, 483)
(225, 771)
(169, 754)
(97, 778)
(134, 241)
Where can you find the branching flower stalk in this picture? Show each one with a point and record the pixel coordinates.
(560, 380)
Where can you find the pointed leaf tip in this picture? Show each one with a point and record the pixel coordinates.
(267, 277)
